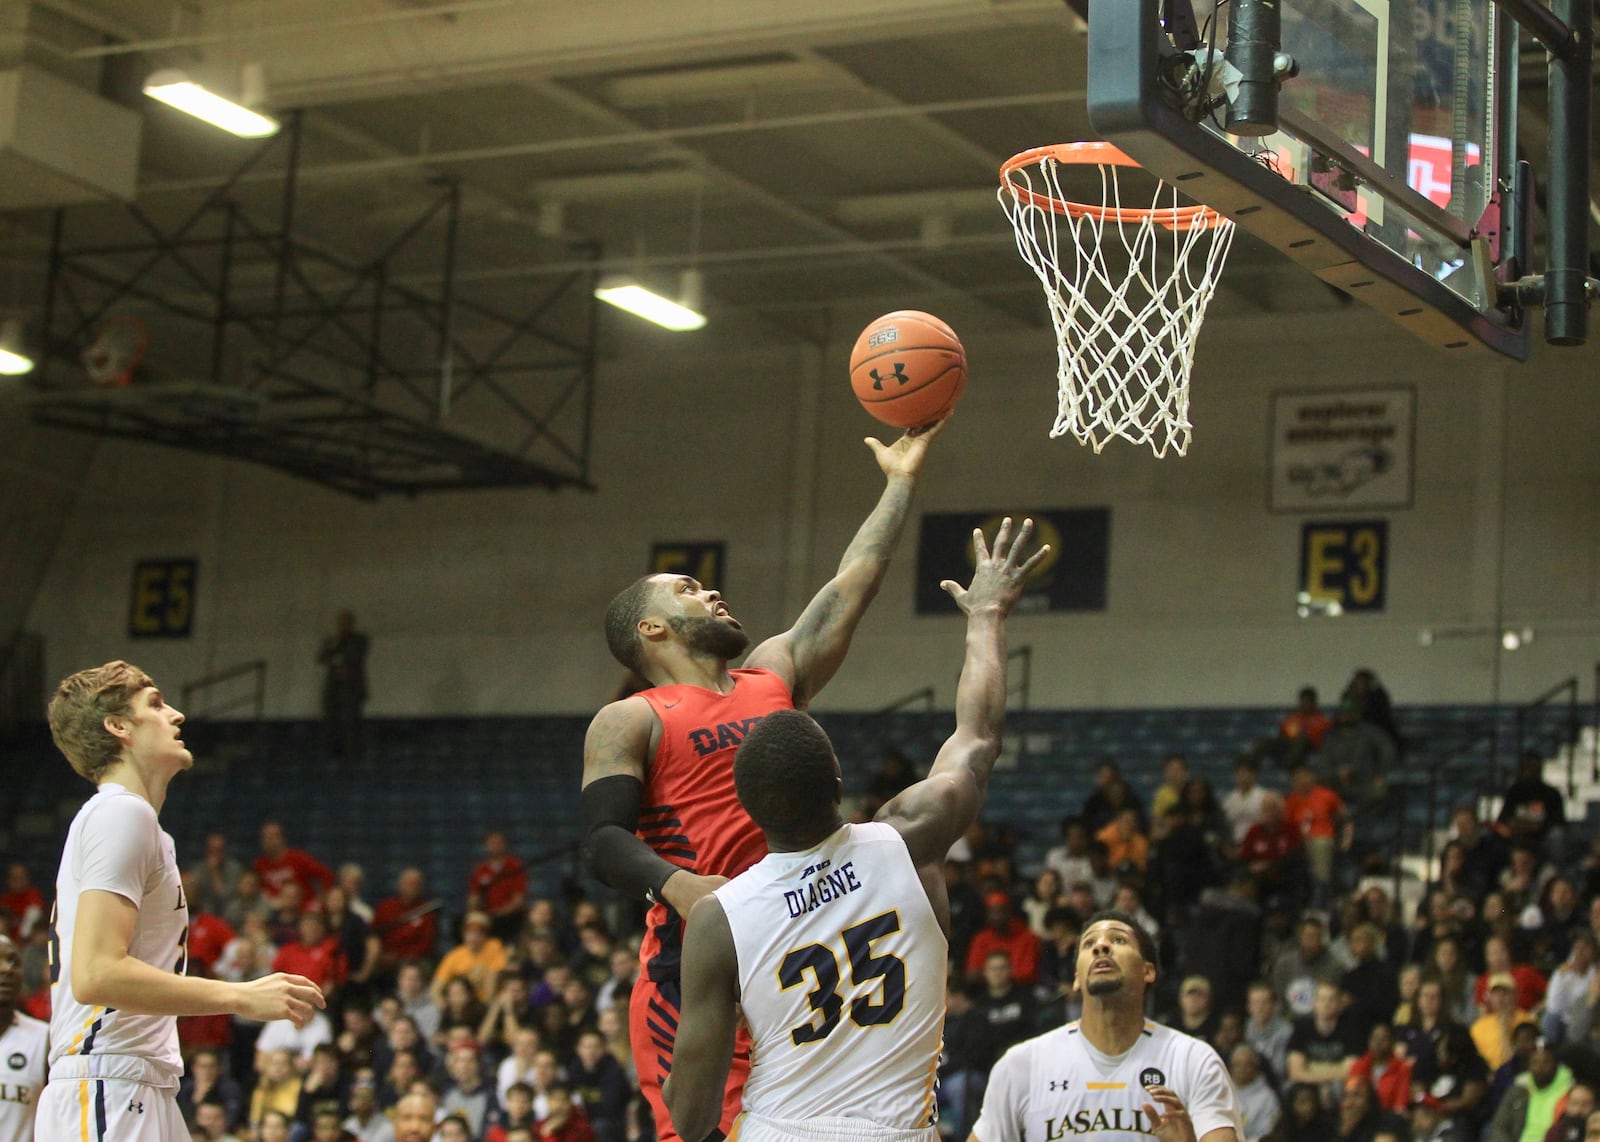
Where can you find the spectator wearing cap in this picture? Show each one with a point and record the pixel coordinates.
(1431, 1121)
(1528, 1110)
(1258, 1102)
(1004, 931)
(1492, 1031)
(1195, 1016)
(479, 959)
(1529, 982)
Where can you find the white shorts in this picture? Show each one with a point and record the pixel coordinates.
(108, 1110)
(754, 1128)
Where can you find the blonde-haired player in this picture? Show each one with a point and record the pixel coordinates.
(835, 944)
(118, 933)
(1113, 1074)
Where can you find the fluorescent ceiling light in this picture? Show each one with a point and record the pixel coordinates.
(624, 293)
(176, 89)
(13, 361)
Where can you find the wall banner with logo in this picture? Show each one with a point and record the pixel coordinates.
(1071, 578)
(1343, 448)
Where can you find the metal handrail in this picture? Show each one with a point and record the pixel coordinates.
(1569, 687)
(256, 698)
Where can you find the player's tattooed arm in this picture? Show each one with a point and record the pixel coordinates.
(811, 652)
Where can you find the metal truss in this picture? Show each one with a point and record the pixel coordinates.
(266, 347)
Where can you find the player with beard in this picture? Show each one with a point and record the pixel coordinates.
(23, 1051)
(661, 819)
(1113, 1073)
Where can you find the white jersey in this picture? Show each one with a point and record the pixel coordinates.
(115, 844)
(1058, 1086)
(22, 1071)
(842, 978)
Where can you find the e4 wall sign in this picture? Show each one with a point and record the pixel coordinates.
(1345, 563)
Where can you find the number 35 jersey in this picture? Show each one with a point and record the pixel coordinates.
(842, 979)
(115, 844)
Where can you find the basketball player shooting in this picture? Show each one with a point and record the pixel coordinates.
(842, 932)
(118, 935)
(661, 819)
(1112, 1074)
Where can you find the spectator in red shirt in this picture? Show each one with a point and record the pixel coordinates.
(1005, 932)
(1273, 851)
(1388, 1070)
(22, 904)
(208, 932)
(499, 886)
(314, 954)
(1303, 727)
(566, 1121)
(278, 864)
(1318, 812)
(406, 924)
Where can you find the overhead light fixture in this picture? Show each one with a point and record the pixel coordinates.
(679, 316)
(14, 362)
(176, 89)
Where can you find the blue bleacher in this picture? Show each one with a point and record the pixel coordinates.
(430, 787)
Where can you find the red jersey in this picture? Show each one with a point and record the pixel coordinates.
(313, 876)
(498, 882)
(323, 964)
(1316, 813)
(401, 934)
(690, 814)
(24, 910)
(1017, 941)
(208, 935)
(1270, 842)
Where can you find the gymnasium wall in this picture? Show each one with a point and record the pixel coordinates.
(491, 602)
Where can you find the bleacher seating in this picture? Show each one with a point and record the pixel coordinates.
(430, 787)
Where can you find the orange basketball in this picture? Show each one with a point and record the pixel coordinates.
(908, 368)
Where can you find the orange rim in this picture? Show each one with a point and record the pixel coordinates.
(1100, 155)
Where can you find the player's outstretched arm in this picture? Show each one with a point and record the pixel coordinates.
(615, 752)
(105, 975)
(931, 814)
(703, 1050)
(809, 653)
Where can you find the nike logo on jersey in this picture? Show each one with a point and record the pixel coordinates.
(725, 736)
(669, 705)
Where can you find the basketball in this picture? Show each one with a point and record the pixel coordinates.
(908, 368)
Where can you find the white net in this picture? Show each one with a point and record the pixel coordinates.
(1127, 294)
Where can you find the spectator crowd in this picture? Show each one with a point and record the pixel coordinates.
(487, 1014)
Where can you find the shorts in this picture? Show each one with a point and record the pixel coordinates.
(652, 1027)
(754, 1128)
(81, 1108)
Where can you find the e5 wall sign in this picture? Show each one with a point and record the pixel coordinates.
(163, 598)
(706, 562)
(1344, 448)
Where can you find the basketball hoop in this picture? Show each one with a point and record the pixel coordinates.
(1126, 324)
(116, 351)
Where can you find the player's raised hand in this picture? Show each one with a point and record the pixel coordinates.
(904, 457)
(998, 576)
(280, 996)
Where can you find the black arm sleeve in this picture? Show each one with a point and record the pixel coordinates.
(611, 850)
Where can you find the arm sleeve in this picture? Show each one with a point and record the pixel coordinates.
(1005, 1102)
(117, 847)
(611, 850)
(1211, 1101)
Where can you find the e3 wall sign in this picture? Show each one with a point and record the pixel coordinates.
(163, 598)
(1345, 563)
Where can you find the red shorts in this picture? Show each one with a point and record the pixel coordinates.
(652, 1027)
